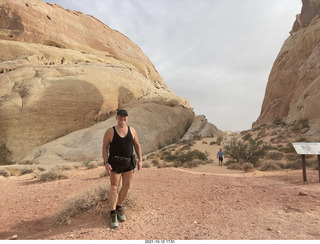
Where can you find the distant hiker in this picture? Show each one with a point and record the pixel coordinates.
(220, 156)
(119, 142)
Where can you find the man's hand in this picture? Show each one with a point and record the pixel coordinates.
(140, 164)
(108, 168)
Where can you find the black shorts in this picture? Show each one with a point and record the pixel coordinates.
(220, 159)
(121, 164)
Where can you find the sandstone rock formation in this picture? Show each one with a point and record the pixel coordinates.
(156, 125)
(292, 91)
(201, 127)
(63, 71)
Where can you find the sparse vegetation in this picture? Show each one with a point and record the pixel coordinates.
(275, 155)
(219, 140)
(52, 175)
(247, 167)
(246, 152)
(302, 124)
(4, 173)
(269, 165)
(96, 199)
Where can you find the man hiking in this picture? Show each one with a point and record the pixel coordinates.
(119, 161)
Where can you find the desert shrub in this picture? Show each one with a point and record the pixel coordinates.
(275, 155)
(219, 140)
(197, 137)
(53, 174)
(246, 152)
(4, 173)
(269, 166)
(91, 165)
(26, 171)
(181, 158)
(146, 165)
(293, 165)
(234, 166)
(155, 162)
(278, 122)
(300, 124)
(82, 202)
(288, 149)
(213, 142)
(65, 167)
(4, 154)
(184, 148)
(247, 167)
(193, 163)
(246, 136)
(261, 134)
(292, 156)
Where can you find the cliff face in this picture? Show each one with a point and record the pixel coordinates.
(292, 91)
(63, 71)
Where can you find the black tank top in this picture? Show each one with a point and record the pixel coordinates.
(121, 146)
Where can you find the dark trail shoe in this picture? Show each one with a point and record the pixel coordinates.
(113, 220)
(121, 215)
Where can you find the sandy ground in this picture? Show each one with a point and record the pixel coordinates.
(172, 204)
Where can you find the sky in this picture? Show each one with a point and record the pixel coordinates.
(216, 53)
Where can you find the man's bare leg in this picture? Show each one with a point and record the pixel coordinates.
(127, 178)
(114, 188)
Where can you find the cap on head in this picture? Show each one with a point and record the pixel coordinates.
(122, 112)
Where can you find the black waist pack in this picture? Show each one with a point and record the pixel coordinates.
(122, 164)
(119, 159)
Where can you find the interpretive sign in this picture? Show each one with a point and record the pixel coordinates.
(307, 148)
(312, 148)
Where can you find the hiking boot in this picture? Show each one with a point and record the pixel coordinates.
(113, 220)
(121, 215)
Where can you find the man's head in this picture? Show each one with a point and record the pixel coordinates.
(122, 112)
(122, 117)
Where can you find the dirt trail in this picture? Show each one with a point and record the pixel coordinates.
(173, 205)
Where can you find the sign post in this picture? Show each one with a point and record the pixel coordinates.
(307, 148)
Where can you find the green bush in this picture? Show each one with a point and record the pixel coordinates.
(246, 152)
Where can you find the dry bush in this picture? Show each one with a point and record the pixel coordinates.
(53, 174)
(269, 165)
(81, 202)
(247, 167)
(65, 167)
(91, 165)
(292, 156)
(4, 173)
(146, 165)
(96, 199)
(275, 155)
(193, 163)
(234, 166)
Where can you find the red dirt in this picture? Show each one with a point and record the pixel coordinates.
(173, 205)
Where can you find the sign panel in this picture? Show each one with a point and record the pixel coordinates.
(312, 148)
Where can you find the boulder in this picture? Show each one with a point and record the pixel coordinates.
(201, 127)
